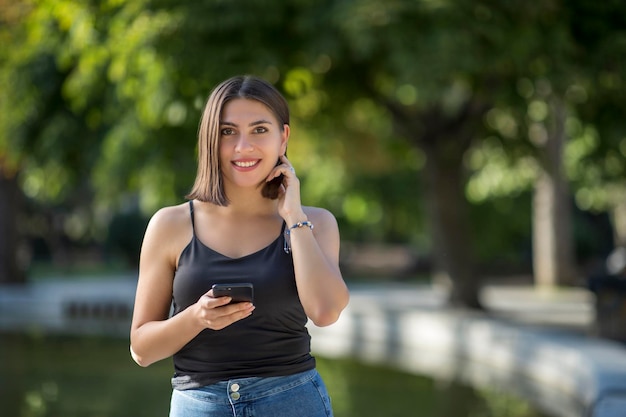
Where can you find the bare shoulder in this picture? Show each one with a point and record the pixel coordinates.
(169, 230)
(171, 217)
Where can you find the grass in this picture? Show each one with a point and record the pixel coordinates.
(95, 377)
(78, 377)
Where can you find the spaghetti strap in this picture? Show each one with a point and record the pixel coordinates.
(193, 226)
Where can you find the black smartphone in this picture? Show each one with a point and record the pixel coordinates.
(270, 189)
(239, 292)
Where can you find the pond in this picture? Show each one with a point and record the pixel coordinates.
(95, 377)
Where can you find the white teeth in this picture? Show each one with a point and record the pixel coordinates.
(246, 164)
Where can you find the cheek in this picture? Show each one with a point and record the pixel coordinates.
(224, 152)
(224, 159)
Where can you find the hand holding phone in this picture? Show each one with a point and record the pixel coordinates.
(238, 292)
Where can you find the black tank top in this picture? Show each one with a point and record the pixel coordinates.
(273, 341)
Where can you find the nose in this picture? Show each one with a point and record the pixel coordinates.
(243, 143)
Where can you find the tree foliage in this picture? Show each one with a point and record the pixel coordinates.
(103, 100)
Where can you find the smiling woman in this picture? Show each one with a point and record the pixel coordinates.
(244, 224)
(251, 143)
(207, 186)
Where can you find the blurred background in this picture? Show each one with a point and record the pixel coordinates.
(458, 143)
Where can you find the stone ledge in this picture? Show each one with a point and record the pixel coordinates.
(563, 373)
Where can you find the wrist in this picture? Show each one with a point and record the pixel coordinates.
(291, 228)
(195, 320)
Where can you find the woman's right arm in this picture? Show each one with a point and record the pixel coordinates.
(154, 335)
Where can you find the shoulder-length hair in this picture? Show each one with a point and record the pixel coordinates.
(209, 183)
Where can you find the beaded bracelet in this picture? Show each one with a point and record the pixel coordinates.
(287, 246)
(300, 224)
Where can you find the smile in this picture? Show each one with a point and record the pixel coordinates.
(246, 164)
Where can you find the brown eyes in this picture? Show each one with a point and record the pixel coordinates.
(227, 131)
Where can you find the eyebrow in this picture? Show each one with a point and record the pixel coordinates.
(256, 123)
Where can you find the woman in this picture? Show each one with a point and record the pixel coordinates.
(244, 222)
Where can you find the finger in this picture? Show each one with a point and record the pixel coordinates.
(233, 308)
(243, 312)
(227, 315)
(237, 311)
(287, 163)
(282, 169)
(287, 170)
(212, 302)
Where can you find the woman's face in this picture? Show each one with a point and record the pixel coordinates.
(251, 141)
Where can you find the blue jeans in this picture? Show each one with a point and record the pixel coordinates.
(302, 394)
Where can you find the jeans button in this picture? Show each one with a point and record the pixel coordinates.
(235, 396)
(234, 387)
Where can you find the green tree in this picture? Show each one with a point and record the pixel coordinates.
(566, 110)
(10, 195)
(598, 154)
(436, 68)
(439, 69)
(47, 144)
(104, 99)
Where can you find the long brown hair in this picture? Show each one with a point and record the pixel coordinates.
(209, 183)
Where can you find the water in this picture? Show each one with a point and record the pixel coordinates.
(95, 377)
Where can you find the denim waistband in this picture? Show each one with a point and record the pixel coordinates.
(251, 388)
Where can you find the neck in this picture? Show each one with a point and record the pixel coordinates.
(249, 202)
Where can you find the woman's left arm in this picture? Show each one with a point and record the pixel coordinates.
(321, 288)
(315, 250)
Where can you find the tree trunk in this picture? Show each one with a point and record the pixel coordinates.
(10, 272)
(445, 138)
(447, 211)
(618, 218)
(553, 254)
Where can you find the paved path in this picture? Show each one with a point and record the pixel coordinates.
(537, 344)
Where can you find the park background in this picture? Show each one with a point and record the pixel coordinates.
(456, 142)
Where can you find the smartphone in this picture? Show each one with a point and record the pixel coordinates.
(239, 292)
(270, 189)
